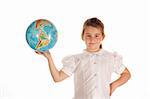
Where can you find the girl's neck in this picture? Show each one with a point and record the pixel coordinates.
(93, 51)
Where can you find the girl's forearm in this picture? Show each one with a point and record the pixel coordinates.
(56, 74)
(124, 77)
(53, 70)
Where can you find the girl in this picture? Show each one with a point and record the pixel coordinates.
(93, 67)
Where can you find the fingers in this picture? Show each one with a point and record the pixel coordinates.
(38, 52)
(110, 93)
(46, 53)
(111, 89)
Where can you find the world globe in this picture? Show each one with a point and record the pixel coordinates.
(41, 35)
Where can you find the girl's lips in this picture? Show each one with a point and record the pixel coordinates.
(92, 43)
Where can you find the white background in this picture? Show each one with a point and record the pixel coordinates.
(25, 75)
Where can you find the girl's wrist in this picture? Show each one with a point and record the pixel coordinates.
(113, 85)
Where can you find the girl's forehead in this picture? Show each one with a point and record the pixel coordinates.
(92, 30)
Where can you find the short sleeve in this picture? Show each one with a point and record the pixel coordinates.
(118, 63)
(69, 65)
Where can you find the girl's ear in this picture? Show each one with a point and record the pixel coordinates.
(82, 36)
(103, 36)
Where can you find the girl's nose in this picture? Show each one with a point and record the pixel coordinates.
(93, 40)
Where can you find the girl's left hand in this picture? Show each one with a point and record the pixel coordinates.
(112, 88)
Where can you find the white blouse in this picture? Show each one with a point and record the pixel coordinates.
(92, 72)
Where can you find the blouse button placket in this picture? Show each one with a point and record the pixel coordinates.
(93, 57)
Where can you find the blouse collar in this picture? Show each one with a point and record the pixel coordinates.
(93, 53)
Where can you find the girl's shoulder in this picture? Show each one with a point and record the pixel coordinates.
(111, 53)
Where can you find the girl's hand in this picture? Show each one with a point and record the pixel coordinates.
(112, 88)
(45, 54)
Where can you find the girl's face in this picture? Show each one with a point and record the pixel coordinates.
(93, 38)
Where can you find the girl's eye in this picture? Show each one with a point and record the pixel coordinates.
(88, 35)
(97, 36)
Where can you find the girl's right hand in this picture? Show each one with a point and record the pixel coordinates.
(45, 54)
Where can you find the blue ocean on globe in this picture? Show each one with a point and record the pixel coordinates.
(41, 35)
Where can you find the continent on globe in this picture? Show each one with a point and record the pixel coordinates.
(42, 40)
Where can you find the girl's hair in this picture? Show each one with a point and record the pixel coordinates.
(94, 22)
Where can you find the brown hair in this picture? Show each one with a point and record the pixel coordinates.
(94, 22)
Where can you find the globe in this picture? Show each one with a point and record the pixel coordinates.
(41, 35)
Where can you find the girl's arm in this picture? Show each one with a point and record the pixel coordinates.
(124, 77)
(56, 75)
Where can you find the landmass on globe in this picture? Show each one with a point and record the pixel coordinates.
(43, 39)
